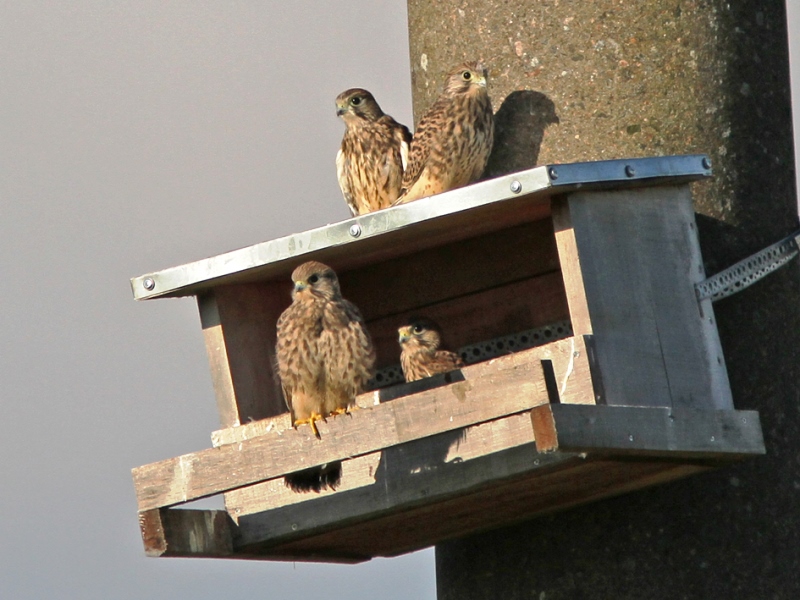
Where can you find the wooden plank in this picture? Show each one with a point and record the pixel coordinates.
(519, 491)
(570, 357)
(378, 469)
(225, 468)
(356, 472)
(571, 271)
(571, 366)
(433, 275)
(649, 431)
(461, 482)
(640, 259)
(239, 330)
(196, 533)
(409, 477)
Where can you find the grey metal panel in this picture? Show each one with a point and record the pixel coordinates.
(480, 208)
(614, 173)
(640, 260)
(646, 431)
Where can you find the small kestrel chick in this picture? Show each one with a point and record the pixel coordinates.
(373, 155)
(325, 356)
(421, 355)
(453, 140)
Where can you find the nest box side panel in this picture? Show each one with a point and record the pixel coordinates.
(639, 259)
(239, 330)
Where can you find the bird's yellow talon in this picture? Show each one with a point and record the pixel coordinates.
(343, 410)
(311, 422)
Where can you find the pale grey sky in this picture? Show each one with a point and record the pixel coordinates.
(136, 136)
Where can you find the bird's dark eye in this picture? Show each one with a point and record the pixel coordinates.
(418, 329)
(355, 101)
(467, 75)
(313, 279)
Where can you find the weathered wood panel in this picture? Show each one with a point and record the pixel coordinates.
(239, 330)
(570, 263)
(453, 270)
(639, 259)
(572, 371)
(232, 466)
(356, 472)
(520, 491)
(556, 483)
(463, 481)
(379, 470)
(199, 533)
(571, 365)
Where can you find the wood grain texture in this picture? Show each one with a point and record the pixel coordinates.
(572, 370)
(356, 472)
(571, 364)
(570, 262)
(521, 490)
(472, 479)
(639, 259)
(449, 271)
(492, 492)
(232, 466)
(378, 470)
(239, 330)
(197, 533)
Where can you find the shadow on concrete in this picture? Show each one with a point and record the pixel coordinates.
(519, 126)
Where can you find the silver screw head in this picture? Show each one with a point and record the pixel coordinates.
(516, 186)
(355, 230)
(630, 171)
(552, 173)
(149, 283)
(706, 162)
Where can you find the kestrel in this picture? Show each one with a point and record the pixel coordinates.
(421, 355)
(453, 140)
(325, 356)
(373, 155)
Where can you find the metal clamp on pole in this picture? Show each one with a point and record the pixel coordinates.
(746, 272)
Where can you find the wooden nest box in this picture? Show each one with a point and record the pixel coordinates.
(593, 369)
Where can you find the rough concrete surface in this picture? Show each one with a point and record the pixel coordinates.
(573, 81)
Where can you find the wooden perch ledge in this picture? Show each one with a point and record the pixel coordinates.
(216, 470)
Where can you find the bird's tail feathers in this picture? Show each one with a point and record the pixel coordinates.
(315, 479)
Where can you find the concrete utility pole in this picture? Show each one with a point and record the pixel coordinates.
(575, 81)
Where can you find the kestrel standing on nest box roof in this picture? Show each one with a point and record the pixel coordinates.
(373, 155)
(325, 356)
(421, 355)
(453, 140)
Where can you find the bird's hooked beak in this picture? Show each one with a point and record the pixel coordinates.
(300, 285)
(405, 334)
(340, 110)
(480, 78)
